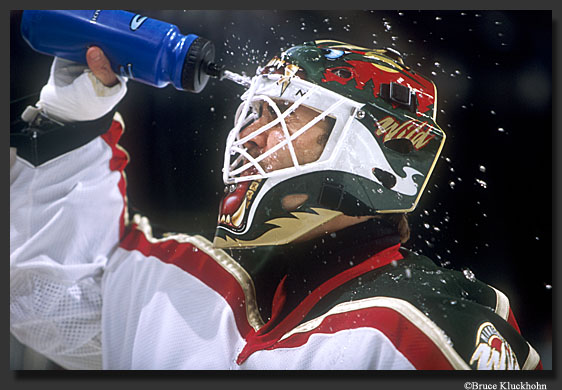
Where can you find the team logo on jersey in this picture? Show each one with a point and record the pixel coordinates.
(492, 351)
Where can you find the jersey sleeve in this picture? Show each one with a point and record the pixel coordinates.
(67, 215)
(532, 360)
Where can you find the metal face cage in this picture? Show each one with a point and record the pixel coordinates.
(240, 165)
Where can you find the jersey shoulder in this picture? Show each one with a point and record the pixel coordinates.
(462, 322)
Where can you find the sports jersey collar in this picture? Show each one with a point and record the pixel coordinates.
(304, 266)
(277, 326)
(291, 280)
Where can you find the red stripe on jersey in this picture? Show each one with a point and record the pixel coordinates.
(512, 321)
(196, 262)
(118, 162)
(272, 331)
(414, 344)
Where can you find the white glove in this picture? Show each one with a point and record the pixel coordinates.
(73, 93)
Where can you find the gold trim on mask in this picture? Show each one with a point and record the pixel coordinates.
(287, 230)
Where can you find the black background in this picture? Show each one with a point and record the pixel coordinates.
(493, 71)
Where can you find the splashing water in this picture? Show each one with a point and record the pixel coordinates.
(245, 81)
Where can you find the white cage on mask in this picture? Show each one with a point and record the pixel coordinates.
(240, 166)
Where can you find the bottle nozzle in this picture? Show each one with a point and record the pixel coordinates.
(215, 70)
(199, 65)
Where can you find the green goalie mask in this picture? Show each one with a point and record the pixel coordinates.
(373, 141)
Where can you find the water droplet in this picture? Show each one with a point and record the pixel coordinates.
(469, 274)
(482, 183)
(452, 184)
(548, 286)
(493, 112)
(501, 130)
(482, 168)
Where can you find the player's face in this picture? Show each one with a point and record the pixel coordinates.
(308, 146)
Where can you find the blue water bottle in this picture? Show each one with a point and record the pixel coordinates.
(138, 47)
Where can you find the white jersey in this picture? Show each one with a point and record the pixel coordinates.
(90, 288)
(90, 293)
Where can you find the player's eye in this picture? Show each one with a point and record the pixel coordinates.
(271, 111)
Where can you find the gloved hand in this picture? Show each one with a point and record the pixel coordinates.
(75, 92)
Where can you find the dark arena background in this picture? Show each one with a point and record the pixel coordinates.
(488, 207)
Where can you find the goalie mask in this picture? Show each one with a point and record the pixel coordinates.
(325, 130)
